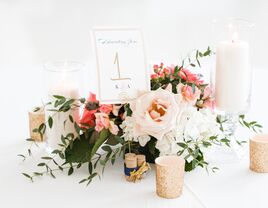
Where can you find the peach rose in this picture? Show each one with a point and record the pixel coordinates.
(155, 113)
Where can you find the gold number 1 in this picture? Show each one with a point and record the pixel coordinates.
(116, 61)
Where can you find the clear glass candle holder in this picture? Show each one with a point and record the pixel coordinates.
(231, 75)
(232, 70)
(62, 79)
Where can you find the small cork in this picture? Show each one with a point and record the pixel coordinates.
(140, 159)
(169, 176)
(131, 162)
(130, 155)
(259, 153)
(36, 118)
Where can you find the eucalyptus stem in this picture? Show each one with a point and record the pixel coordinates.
(129, 147)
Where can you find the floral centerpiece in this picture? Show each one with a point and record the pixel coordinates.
(175, 117)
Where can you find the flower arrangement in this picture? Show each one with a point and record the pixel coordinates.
(175, 117)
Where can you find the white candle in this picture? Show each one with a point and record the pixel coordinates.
(233, 75)
(61, 122)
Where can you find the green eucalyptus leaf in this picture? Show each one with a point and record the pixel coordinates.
(70, 171)
(50, 122)
(58, 97)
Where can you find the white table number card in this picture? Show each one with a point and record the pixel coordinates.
(121, 64)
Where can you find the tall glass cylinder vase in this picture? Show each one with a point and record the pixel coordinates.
(62, 79)
(232, 74)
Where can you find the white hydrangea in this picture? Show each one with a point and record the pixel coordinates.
(168, 144)
(197, 125)
(192, 124)
(128, 127)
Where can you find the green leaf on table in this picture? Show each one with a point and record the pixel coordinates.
(70, 171)
(23, 156)
(41, 164)
(50, 122)
(27, 176)
(47, 158)
(90, 168)
(82, 181)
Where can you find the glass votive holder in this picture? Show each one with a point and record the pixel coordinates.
(169, 176)
(62, 79)
(259, 153)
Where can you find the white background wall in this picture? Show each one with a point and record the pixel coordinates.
(35, 31)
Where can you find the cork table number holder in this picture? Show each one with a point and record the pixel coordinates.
(135, 167)
(259, 153)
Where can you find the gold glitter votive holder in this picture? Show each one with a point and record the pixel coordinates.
(36, 118)
(259, 153)
(169, 176)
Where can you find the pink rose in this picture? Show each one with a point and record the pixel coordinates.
(188, 93)
(155, 113)
(102, 121)
(106, 108)
(188, 76)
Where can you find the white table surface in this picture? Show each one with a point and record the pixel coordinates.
(233, 186)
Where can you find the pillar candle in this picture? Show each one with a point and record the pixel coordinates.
(233, 75)
(69, 90)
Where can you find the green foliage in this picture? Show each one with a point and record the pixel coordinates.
(252, 125)
(80, 151)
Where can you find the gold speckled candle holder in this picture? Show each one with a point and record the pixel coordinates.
(36, 118)
(259, 153)
(169, 176)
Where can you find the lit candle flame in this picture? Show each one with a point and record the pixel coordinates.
(234, 37)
